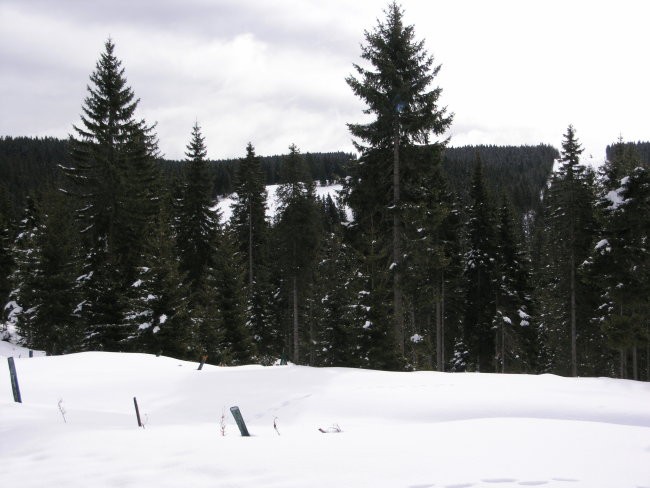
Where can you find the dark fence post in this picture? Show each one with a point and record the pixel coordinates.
(137, 412)
(203, 360)
(240, 421)
(14, 380)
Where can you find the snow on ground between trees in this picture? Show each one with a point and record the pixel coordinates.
(421, 429)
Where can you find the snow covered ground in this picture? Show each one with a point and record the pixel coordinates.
(224, 204)
(7, 349)
(406, 430)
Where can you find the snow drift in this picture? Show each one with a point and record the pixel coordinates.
(420, 429)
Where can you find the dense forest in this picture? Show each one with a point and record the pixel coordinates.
(456, 259)
(32, 165)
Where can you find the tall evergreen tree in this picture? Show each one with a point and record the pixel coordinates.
(251, 233)
(6, 260)
(197, 223)
(111, 174)
(55, 330)
(249, 212)
(227, 278)
(21, 307)
(340, 319)
(479, 277)
(298, 229)
(157, 311)
(515, 339)
(430, 232)
(396, 89)
(621, 262)
(197, 229)
(569, 229)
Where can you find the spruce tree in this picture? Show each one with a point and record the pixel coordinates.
(251, 233)
(6, 259)
(620, 263)
(227, 278)
(157, 310)
(430, 231)
(396, 89)
(570, 228)
(111, 175)
(340, 319)
(21, 306)
(197, 223)
(55, 329)
(515, 338)
(249, 213)
(298, 229)
(197, 230)
(479, 276)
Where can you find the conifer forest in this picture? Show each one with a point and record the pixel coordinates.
(507, 259)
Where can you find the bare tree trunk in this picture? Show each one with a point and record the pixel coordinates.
(442, 324)
(635, 364)
(439, 339)
(398, 309)
(312, 338)
(503, 348)
(623, 366)
(574, 350)
(647, 353)
(416, 331)
(250, 241)
(296, 330)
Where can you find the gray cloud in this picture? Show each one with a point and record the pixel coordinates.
(273, 72)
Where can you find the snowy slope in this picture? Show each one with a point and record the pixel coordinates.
(406, 430)
(224, 204)
(7, 349)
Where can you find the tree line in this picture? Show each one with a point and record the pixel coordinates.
(32, 165)
(429, 273)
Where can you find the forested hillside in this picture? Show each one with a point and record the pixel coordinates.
(455, 259)
(32, 165)
(641, 149)
(520, 172)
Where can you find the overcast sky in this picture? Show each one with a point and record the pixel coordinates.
(273, 71)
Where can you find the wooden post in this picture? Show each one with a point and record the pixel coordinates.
(203, 360)
(14, 380)
(240, 421)
(137, 412)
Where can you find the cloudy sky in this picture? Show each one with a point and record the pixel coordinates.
(273, 71)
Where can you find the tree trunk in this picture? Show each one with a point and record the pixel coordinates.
(503, 348)
(397, 251)
(415, 331)
(574, 350)
(498, 332)
(442, 325)
(623, 366)
(250, 241)
(296, 330)
(635, 364)
(439, 339)
(647, 354)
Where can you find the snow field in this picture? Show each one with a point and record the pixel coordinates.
(410, 430)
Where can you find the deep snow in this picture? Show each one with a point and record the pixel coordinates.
(410, 430)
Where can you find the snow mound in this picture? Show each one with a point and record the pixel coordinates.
(396, 429)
